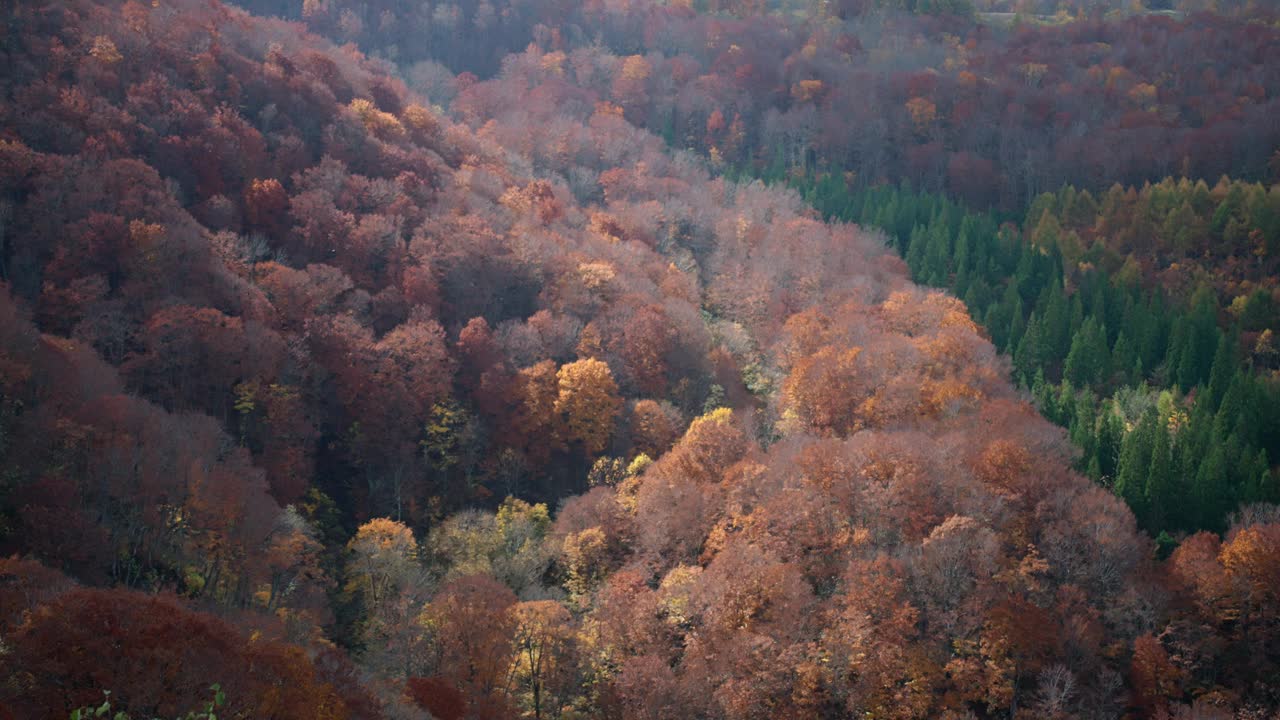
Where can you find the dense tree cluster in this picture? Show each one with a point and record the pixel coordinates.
(883, 371)
(357, 291)
(276, 336)
(830, 576)
(885, 91)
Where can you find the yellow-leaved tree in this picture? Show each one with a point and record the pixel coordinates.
(588, 403)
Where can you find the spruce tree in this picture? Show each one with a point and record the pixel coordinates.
(1065, 404)
(1174, 351)
(1028, 357)
(1124, 359)
(1252, 473)
(1043, 394)
(1087, 362)
(1230, 412)
(1110, 438)
(1210, 488)
(1057, 324)
(937, 254)
(1222, 371)
(1135, 462)
(1083, 425)
(915, 256)
(1265, 488)
(1159, 493)
(1009, 322)
(1077, 315)
(1200, 341)
(961, 255)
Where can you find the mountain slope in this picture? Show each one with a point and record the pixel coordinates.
(272, 320)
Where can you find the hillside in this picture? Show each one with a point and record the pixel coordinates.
(356, 406)
(992, 116)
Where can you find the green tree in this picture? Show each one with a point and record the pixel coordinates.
(1088, 362)
(1200, 341)
(1125, 361)
(1110, 439)
(1160, 487)
(1222, 371)
(1209, 491)
(1135, 463)
(1083, 427)
(1030, 354)
(1057, 324)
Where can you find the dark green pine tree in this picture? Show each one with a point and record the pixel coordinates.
(1152, 335)
(1174, 349)
(1093, 470)
(907, 214)
(1113, 316)
(886, 219)
(1230, 411)
(938, 253)
(1110, 439)
(1083, 427)
(1222, 371)
(1044, 396)
(973, 297)
(1252, 477)
(1200, 341)
(984, 243)
(973, 226)
(1056, 321)
(1179, 486)
(1240, 475)
(1209, 489)
(915, 256)
(961, 259)
(1029, 355)
(1124, 359)
(1160, 492)
(1088, 362)
(1066, 404)
(1006, 321)
(1088, 290)
(1195, 439)
(865, 209)
(1024, 276)
(1264, 487)
(1135, 462)
(1077, 315)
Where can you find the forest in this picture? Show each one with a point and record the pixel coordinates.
(711, 359)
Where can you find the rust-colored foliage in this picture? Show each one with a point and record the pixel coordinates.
(323, 294)
(437, 697)
(157, 658)
(473, 625)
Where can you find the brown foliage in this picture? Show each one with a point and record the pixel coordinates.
(157, 658)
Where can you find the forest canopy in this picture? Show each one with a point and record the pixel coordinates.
(639, 360)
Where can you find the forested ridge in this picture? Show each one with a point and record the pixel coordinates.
(485, 366)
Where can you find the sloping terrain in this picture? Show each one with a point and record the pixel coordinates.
(277, 337)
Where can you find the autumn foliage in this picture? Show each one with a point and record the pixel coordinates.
(359, 406)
